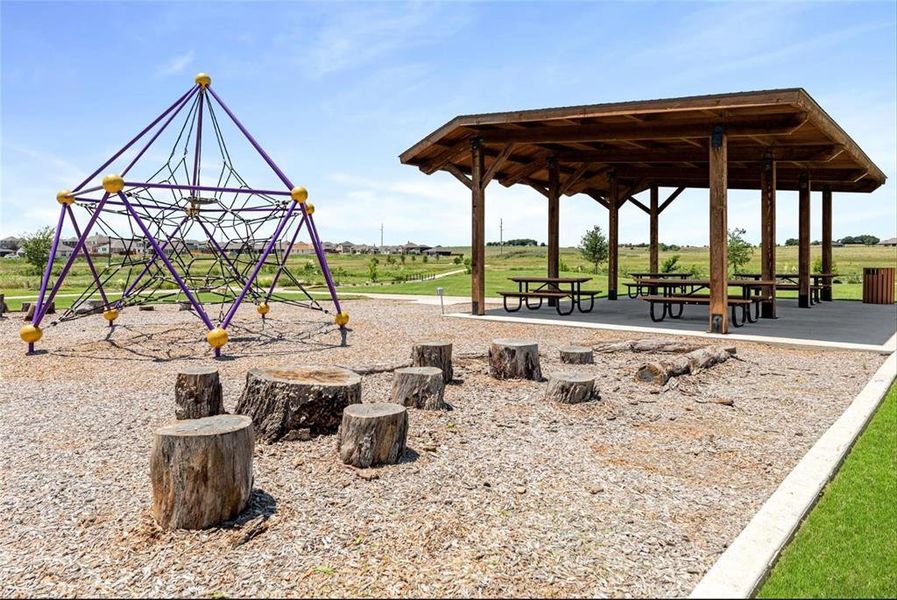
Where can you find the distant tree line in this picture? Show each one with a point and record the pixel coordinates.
(866, 240)
(517, 242)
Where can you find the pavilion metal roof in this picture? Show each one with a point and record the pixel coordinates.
(663, 142)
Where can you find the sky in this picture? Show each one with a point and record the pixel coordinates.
(336, 91)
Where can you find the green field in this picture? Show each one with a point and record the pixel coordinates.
(847, 547)
(352, 272)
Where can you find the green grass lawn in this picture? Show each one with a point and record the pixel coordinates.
(354, 272)
(847, 547)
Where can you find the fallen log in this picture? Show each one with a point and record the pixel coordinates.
(646, 345)
(690, 363)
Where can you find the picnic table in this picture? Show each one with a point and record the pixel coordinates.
(550, 288)
(820, 282)
(679, 292)
(639, 288)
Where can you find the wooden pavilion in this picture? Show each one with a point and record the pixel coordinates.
(765, 140)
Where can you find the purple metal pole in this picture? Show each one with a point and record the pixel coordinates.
(161, 129)
(196, 305)
(49, 269)
(311, 225)
(96, 276)
(137, 137)
(283, 262)
(197, 154)
(258, 267)
(146, 268)
(204, 188)
(39, 315)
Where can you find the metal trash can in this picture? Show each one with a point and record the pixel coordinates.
(878, 285)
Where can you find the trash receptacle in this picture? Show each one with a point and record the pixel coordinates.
(878, 285)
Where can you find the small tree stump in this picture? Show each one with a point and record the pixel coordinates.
(28, 308)
(89, 307)
(372, 434)
(197, 393)
(3, 307)
(146, 307)
(201, 471)
(420, 387)
(514, 359)
(571, 388)
(310, 397)
(577, 355)
(184, 306)
(434, 353)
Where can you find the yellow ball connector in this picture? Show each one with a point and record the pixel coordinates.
(203, 79)
(113, 183)
(341, 319)
(110, 314)
(30, 333)
(217, 338)
(310, 208)
(263, 308)
(299, 194)
(65, 197)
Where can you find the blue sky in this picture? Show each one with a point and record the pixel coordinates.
(335, 91)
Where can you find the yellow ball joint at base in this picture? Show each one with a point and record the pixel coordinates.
(217, 337)
(110, 314)
(299, 194)
(113, 183)
(30, 333)
(65, 197)
(263, 308)
(341, 319)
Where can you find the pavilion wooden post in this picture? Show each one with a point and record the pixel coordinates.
(803, 241)
(768, 231)
(478, 230)
(653, 243)
(827, 241)
(554, 206)
(613, 230)
(719, 276)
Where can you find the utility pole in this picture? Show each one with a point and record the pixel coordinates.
(501, 236)
(381, 237)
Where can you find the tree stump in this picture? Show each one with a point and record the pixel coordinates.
(372, 434)
(577, 355)
(3, 307)
(197, 393)
(434, 353)
(28, 308)
(201, 471)
(310, 397)
(571, 388)
(184, 306)
(420, 387)
(146, 307)
(89, 307)
(514, 359)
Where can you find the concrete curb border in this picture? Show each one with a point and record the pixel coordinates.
(740, 570)
(886, 348)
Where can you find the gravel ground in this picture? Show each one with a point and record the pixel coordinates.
(505, 495)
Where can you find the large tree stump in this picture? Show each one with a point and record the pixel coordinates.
(372, 434)
(434, 353)
(28, 308)
(420, 387)
(201, 471)
(197, 393)
(660, 372)
(514, 359)
(571, 388)
(577, 355)
(310, 397)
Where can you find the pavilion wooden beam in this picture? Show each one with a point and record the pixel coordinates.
(768, 231)
(574, 177)
(613, 235)
(497, 164)
(698, 154)
(519, 173)
(700, 174)
(459, 175)
(446, 157)
(827, 241)
(599, 199)
(654, 214)
(771, 126)
(554, 209)
(638, 203)
(670, 199)
(719, 276)
(803, 242)
(478, 231)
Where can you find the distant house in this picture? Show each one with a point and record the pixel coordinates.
(438, 251)
(9, 245)
(412, 248)
(64, 250)
(888, 242)
(302, 248)
(329, 247)
(345, 248)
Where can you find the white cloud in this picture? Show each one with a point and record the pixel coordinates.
(175, 65)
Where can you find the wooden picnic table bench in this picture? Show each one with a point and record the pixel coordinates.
(636, 289)
(821, 281)
(550, 288)
(674, 294)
